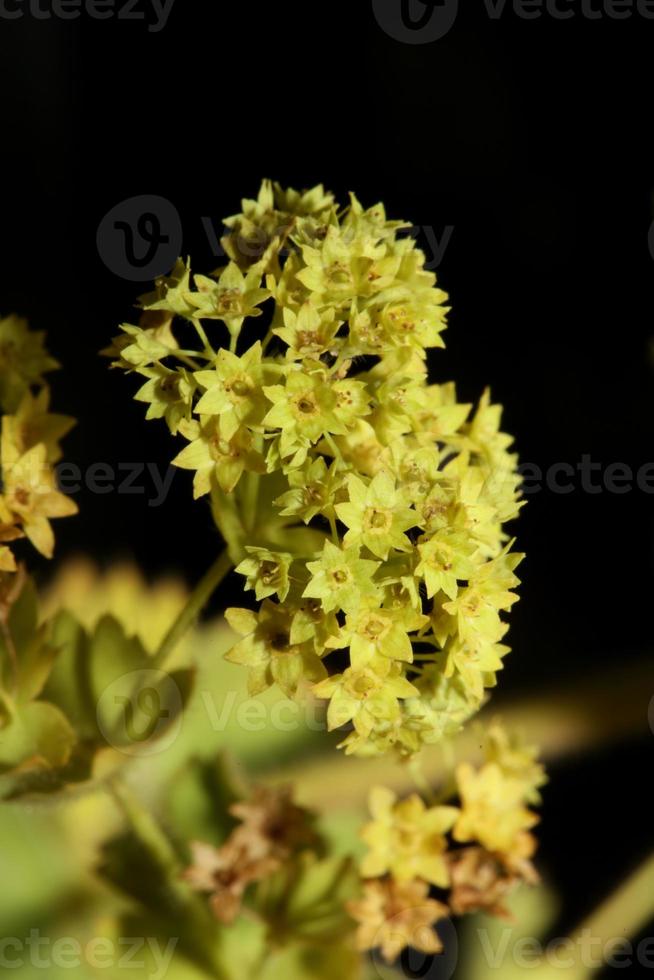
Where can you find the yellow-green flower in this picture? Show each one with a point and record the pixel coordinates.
(373, 631)
(23, 360)
(305, 409)
(168, 394)
(32, 423)
(377, 515)
(416, 321)
(445, 558)
(139, 347)
(171, 293)
(29, 493)
(311, 623)
(266, 572)
(230, 298)
(217, 461)
(314, 487)
(232, 390)
(309, 332)
(406, 838)
(516, 758)
(340, 579)
(340, 270)
(364, 696)
(269, 653)
(493, 809)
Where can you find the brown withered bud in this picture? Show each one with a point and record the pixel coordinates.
(480, 881)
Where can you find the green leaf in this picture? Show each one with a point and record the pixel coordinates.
(69, 684)
(36, 743)
(308, 962)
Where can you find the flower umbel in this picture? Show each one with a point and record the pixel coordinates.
(344, 481)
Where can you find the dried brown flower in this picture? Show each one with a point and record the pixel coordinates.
(392, 916)
(224, 873)
(272, 828)
(481, 881)
(272, 824)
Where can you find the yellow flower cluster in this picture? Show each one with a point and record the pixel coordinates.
(363, 504)
(413, 847)
(29, 443)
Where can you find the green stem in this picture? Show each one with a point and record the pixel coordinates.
(192, 915)
(614, 707)
(623, 914)
(8, 703)
(194, 606)
(421, 782)
(145, 828)
(209, 351)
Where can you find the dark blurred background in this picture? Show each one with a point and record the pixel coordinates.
(530, 139)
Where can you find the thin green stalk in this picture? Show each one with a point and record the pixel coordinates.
(9, 705)
(614, 707)
(209, 351)
(194, 606)
(195, 921)
(421, 782)
(623, 914)
(145, 827)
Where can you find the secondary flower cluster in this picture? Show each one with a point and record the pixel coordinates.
(271, 831)
(29, 443)
(364, 505)
(414, 848)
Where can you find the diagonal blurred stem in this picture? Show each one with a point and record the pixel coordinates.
(580, 715)
(623, 914)
(194, 606)
(193, 919)
(604, 933)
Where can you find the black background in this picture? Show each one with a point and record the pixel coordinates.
(531, 138)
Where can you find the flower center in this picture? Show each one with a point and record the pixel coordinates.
(374, 628)
(22, 496)
(363, 685)
(269, 572)
(306, 405)
(280, 642)
(170, 387)
(377, 520)
(239, 388)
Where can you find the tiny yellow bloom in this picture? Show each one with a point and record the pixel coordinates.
(406, 838)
